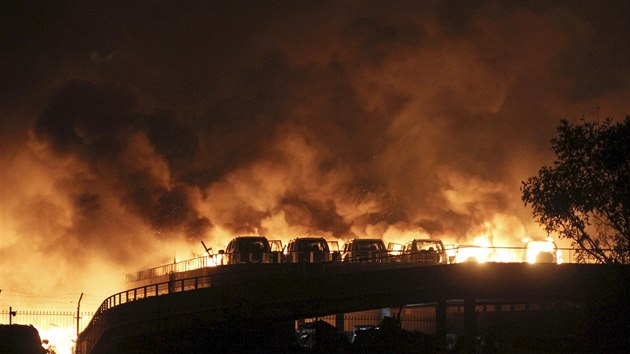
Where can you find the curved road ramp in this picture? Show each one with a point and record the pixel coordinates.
(253, 307)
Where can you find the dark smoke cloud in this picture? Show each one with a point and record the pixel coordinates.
(84, 118)
(97, 124)
(131, 127)
(175, 141)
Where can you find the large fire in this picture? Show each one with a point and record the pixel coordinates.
(59, 340)
(125, 159)
(542, 251)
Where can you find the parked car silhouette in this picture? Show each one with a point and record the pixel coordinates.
(364, 249)
(426, 251)
(247, 249)
(307, 250)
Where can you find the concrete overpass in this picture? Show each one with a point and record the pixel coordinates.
(185, 313)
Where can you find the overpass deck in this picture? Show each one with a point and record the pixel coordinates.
(210, 298)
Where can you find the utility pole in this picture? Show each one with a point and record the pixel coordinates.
(76, 346)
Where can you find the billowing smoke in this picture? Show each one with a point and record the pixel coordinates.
(132, 132)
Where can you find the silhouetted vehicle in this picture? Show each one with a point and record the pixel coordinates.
(247, 249)
(307, 250)
(425, 251)
(389, 337)
(364, 250)
(322, 337)
(20, 339)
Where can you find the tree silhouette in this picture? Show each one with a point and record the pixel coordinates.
(584, 195)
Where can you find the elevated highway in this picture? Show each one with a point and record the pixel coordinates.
(194, 306)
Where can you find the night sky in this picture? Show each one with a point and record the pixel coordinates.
(131, 131)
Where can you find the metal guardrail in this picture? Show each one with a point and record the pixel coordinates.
(490, 254)
(176, 267)
(311, 257)
(93, 331)
(163, 288)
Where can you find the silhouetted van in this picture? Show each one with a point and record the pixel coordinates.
(247, 249)
(307, 250)
(364, 250)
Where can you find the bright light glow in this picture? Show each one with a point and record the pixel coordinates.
(472, 253)
(60, 339)
(482, 241)
(395, 249)
(542, 251)
(451, 252)
(218, 259)
(478, 252)
(503, 255)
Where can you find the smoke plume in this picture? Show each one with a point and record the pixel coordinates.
(131, 132)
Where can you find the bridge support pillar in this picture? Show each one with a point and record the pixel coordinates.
(440, 322)
(470, 323)
(340, 322)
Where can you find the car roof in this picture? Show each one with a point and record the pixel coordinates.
(250, 237)
(366, 240)
(309, 238)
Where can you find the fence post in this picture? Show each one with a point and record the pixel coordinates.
(78, 317)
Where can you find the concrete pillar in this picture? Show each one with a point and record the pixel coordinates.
(470, 324)
(440, 323)
(340, 322)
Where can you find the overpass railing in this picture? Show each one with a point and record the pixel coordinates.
(93, 331)
(455, 255)
(175, 267)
